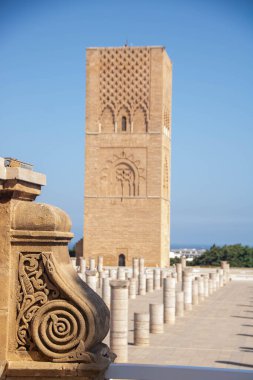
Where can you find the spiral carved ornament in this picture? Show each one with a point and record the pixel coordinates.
(58, 328)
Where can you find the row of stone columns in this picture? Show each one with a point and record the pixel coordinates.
(180, 293)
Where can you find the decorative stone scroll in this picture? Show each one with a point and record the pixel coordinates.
(50, 317)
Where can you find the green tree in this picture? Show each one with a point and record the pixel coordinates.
(237, 255)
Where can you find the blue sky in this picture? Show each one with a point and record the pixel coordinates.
(42, 97)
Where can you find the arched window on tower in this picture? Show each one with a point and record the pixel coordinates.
(122, 260)
(124, 124)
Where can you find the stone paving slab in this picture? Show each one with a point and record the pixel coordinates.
(216, 333)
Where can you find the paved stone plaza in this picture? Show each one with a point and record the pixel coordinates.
(216, 333)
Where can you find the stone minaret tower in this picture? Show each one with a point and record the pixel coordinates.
(128, 134)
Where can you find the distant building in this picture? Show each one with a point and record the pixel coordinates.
(128, 138)
(189, 253)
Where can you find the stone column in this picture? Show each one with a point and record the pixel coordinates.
(163, 275)
(179, 304)
(213, 278)
(141, 266)
(201, 288)
(157, 278)
(121, 273)
(179, 270)
(187, 287)
(113, 274)
(106, 291)
(210, 285)
(156, 318)
(206, 285)
(101, 275)
(225, 267)
(169, 300)
(149, 285)
(141, 329)
(132, 288)
(195, 292)
(82, 268)
(217, 279)
(183, 262)
(174, 275)
(82, 264)
(221, 280)
(119, 320)
(91, 279)
(142, 284)
(135, 264)
(100, 263)
(92, 264)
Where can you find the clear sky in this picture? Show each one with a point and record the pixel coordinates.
(42, 97)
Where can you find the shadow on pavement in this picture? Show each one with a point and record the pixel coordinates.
(234, 363)
(239, 316)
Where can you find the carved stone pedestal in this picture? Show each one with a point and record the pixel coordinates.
(51, 323)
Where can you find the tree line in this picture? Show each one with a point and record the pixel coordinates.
(237, 255)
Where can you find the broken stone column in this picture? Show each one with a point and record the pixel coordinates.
(121, 273)
(101, 276)
(217, 279)
(100, 263)
(92, 265)
(187, 288)
(201, 288)
(141, 329)
(163, 275)
(82, 262)
(142, 284)
(213, 278)
(91, 279)
(50, 318)
(225, 266)
(221, 280)
(119, 320)
(156, 318)
(157, 278)
(132, 288)
(149, 285)
(183, 262)
(141, 266)
(195, 292)
(179, 304)
(179, 270)
(106, 291)
(169, 300)
(174, 275)
(210, 285)
(135, 265)
(206, 285)
(113, 274)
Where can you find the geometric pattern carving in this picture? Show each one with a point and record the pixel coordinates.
(124, 80)
(165, 178)
(122, 177)
(51, 319)
(166, 118)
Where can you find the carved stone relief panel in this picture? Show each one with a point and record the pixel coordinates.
(123, 173)
(51, 318)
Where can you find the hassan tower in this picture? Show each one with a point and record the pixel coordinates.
(128, 150)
